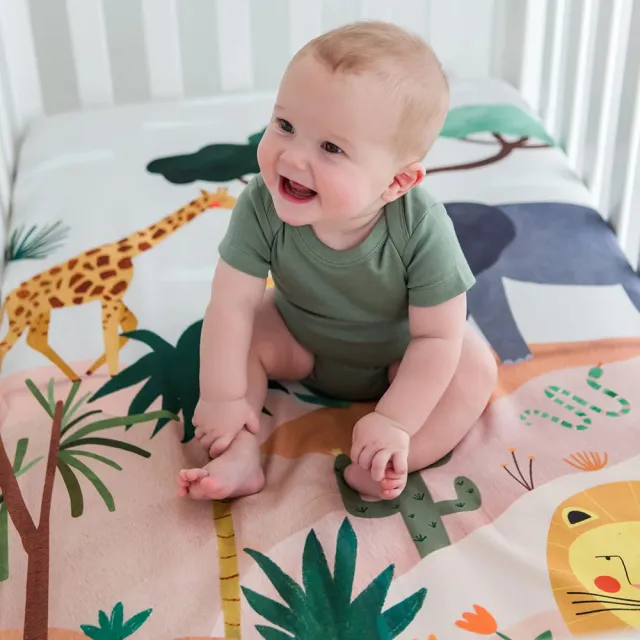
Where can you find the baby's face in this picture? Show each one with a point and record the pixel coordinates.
(327, 154)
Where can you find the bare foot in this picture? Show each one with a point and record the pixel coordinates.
(236, 472)
(391, 486)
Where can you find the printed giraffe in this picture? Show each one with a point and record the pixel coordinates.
(101, 274)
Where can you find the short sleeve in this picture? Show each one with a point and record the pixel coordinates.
(246, 245)
(437, 269)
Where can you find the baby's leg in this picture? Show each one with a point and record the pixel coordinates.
(274, 354)
(461, 405)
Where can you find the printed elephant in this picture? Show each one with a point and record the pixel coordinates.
(546, 243)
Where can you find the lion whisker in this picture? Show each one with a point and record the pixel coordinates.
(613, 599)
(585, 613)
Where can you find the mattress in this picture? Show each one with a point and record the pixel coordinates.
(527, 530)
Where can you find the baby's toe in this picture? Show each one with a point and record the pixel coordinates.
(193, 475)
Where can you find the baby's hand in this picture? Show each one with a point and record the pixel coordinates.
(218, 422)
(378, 441)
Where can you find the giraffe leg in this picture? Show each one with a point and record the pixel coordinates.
(111, 313)
(38, 339)
(16, 329)
(128, 322)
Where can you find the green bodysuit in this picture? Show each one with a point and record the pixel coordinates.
(350, 308)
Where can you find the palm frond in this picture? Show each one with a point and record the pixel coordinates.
(107, 442)
(76, 499)
(34, 243)
(4, 543)
(94, 456)
(130, 376)
(91, 476)
(37, 394)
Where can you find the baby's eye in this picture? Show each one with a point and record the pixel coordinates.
(286, 126)
(329, 147)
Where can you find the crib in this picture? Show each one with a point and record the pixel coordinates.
(527, 530)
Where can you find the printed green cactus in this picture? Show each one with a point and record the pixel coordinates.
(421, 514)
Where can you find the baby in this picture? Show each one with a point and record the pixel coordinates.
(370, 281)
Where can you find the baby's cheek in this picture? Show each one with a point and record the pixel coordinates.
(607, 584)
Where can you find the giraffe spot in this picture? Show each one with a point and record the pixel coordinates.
(92, 251)
(47, 292)
(105, 275)
(106, 297)
(72, 263)
(159, 233)
(143, 246)
(76, 277)
(28, 315)
(46, 283)
(22, 293)
(84, 287)
(55, 271)
(107, 316)
(125, 263)
(56, 302)
(103, 261)
(124, 247)
(36, 304)
(58, 284)
(97, 290)
(37, 277)
(19, 312)
(78, 300)
(119, 287)
(34, 295)
(88, 266)
(190, 216)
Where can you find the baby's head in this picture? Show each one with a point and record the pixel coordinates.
(357, 111)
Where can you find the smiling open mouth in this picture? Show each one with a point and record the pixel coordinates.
(295, 191)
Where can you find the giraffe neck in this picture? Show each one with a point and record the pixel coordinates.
(148, 238)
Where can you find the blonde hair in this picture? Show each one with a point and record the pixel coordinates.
(400, 58)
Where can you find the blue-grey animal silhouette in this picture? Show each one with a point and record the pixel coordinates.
(546, 243)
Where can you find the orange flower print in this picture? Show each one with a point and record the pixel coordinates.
(480, 622)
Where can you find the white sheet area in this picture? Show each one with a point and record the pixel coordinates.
(87, 169)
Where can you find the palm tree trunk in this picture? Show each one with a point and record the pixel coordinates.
(35, 540)
(229, 574)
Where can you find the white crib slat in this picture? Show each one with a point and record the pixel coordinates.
(376, 10)
(557, 67)
(305, 22)
(617, 41)
(90, 52)
(533, 52)
(234, 45)
(576, 137)
(22, 67)
(160, 21)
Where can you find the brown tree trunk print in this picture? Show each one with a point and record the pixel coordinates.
(35, 539)
(506, 148)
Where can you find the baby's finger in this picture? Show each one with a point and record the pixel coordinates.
(400, 462)
(219, 445)
(366, 457)
(253, 423)
(379, 464)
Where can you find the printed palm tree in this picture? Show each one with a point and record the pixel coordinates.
(225, 162)
(69, 437)
(35, 243)
(114, 627)
(322, 608)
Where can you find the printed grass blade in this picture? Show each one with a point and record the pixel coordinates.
(271, 610)
(39, 397)
(547, 635)
(21, 451)
(151, 390)
(171, 404)
(401, 615)
(128, 377)
(106, 442)
(77, 405)
(119, 421)
(36, 243)
(371, 601)
(75, 421)
(28, 466)
(289, 590)
(134, 623)
(91, 476)
(318, 582)
(95, 633)
(4, 543)
(70, 398)
(344, 567)
(269, 633)
(117, 618)
(95, 456)
(51, 397)
(103, 619)
(73, 489)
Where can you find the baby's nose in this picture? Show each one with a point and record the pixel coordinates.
(294, 159)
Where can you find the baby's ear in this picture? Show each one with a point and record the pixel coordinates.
(406, 179)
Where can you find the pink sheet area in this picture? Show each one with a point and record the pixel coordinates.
(528, 530)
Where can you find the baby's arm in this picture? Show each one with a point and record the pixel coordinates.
(224, 348)
(428, 365)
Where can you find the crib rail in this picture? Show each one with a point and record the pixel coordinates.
(580, 72)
